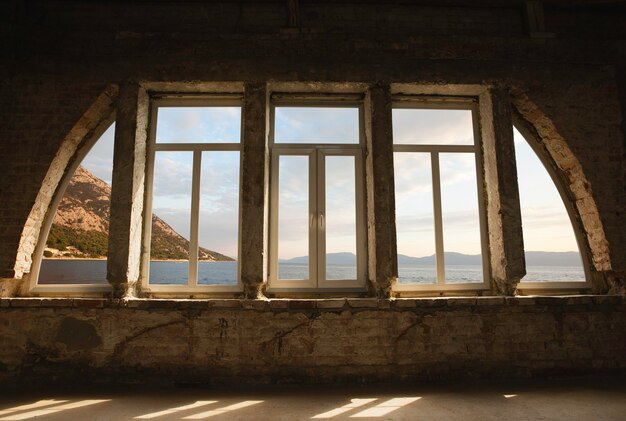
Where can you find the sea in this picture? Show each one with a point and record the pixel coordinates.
(61, 271)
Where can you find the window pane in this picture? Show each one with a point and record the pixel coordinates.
(432, 127)
(551, 249)
(414, 218)
(219, 218)
(171, 216)
(198, 125)
(316, 125)
(340, 217)
(460, 218)
(293, 217)
(76, 247)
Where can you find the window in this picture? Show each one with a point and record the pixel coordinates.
(440, 220)
(317, 233)
(75, 251)
(314, 200)
(193, 211)
(552, 254)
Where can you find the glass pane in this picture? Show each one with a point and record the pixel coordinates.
(198, 125)
(293, 217)
(461, 223)
(171, 216)
(415, 229)
(432, 127)
(340, 218)
(316, 125)
(76, 247)
(551, 249)
(219, 219)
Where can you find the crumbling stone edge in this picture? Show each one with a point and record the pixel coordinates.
(331, 304)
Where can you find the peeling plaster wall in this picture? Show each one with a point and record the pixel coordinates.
(284, 341)
(59, 58)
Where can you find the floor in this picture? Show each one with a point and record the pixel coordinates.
(579, 399)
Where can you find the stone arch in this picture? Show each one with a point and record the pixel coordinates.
(78, 141)
(561, 161)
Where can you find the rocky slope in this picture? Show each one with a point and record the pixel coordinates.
(81, 224)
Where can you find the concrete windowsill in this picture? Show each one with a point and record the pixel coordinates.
(330, 304)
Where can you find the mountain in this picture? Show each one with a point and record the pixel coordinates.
(331, 259)
(450, 257)
(81, 224)
(533, 258)
(551, 258)
(350, 259)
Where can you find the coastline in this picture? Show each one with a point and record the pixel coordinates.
(152, 260)
(74, 258)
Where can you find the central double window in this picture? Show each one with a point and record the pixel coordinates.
(317, 233)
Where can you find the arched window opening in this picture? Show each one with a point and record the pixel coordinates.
(551, 248)
(77, 238)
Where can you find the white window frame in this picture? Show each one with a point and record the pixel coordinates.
(442, 103)
(317, 152)
(559, 286)
(235, 100)
(81, 289)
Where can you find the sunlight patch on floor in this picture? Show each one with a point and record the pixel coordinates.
(220, 411)
(54, 409)
(38, 404)
(174, 410)
(385, 408)
(355, 403)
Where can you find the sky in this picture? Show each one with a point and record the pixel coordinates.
(546, 225)
(545, 221)
(99, 160)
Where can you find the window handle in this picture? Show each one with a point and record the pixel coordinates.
(311, 221)
(321, 221)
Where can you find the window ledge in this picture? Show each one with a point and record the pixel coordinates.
(331, 304)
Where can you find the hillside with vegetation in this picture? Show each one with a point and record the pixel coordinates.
(81, 224)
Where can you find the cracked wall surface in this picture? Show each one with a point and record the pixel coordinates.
(283, 341)
(58, 77)
(573, 79)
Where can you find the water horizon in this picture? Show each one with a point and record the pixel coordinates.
(175, 272)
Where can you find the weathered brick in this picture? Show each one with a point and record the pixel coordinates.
(330, 304)
(571, 94)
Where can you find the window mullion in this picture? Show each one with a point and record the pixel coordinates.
(321, 217)
(195, 213)
(441, 276)
(273, 265)
(313, 218)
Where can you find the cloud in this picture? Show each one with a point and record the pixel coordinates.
(219, 181)
(547, 229)
(457, 168)
(199, 124)
(416, 235)
(218, 231)
(172, 179)
(99, 160)
(178, 219)
(316, 125)
(434, 127)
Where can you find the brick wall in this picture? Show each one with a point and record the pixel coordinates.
(59, 57)
(251, 341)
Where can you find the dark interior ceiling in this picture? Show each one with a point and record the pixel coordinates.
(468, 3)
(560, 4)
